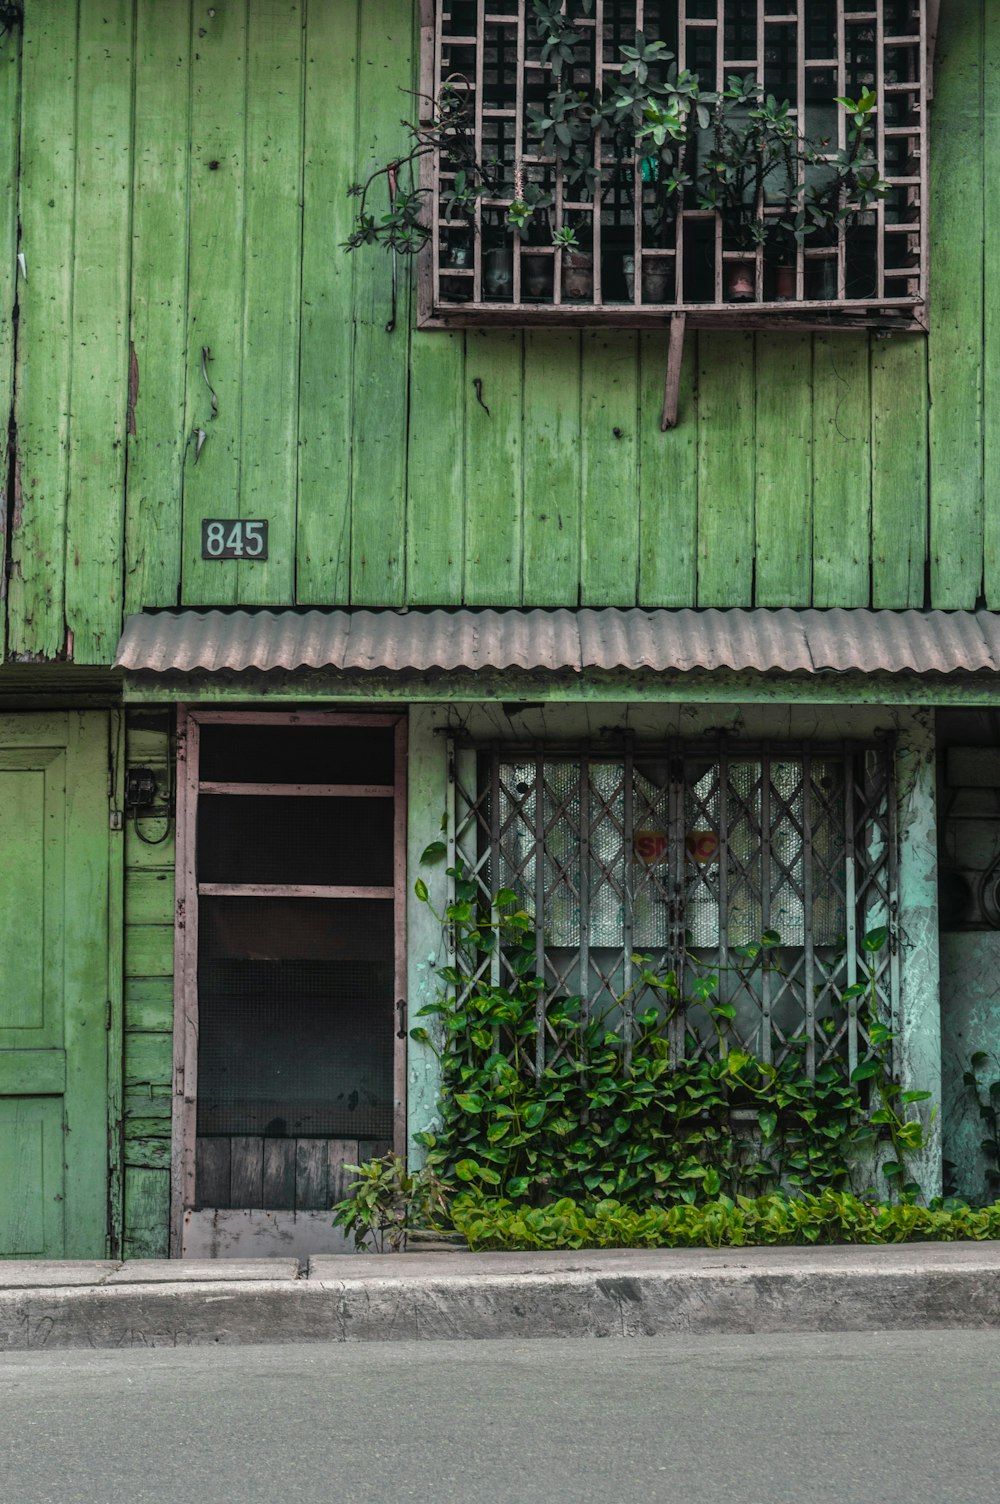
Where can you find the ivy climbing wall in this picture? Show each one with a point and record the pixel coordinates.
(191, 342)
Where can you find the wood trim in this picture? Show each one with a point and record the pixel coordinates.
(182, 1159)
(290, 718)
(289, 890)
(303, 790)
(188, 891)
(116, 990)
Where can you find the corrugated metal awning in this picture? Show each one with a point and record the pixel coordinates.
(562, 641)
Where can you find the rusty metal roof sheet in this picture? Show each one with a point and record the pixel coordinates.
(562, 640)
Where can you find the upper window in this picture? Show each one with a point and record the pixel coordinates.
(611, 161)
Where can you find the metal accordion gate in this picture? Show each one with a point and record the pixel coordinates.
(688, 854)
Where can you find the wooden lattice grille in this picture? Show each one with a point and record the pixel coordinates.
(685, 855)
(870, 271)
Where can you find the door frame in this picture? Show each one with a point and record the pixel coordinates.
(185, 1068)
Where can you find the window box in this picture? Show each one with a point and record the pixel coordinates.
(644, 239)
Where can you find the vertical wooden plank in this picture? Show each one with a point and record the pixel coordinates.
(899, 471)
(279, 1174)
(158, 304)
(86, 928)
(609, 517)
(668, 479)
(215, 290)
(380, 423)
(213, 1172)
(95, 503)
(783, 430)
(246, 1180)
(991, 306)
(268, 458)
(116, 981)
(956, 310)
(36, 592)
(311, 1175)
(147, 1202)
(494, 494)
(841, 471)
(323, 532)
(725, 469)
(435, 481)
(10, 88)
(341, 1152)
(551, 450)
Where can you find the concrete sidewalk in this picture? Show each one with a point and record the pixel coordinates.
(606, 1293)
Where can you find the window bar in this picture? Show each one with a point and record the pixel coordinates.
(679, 218)
(477, 239)
(725, 984)
(519, 140)
(495, 955)
(720, 83)
(540, 911)
(807, 914)
(923, 215)
(758, 69)
(628, 885)
(765, 904)
(892, 918)
(801, 123)
(429, 88)
(851, 915)
(880, 145)
(841, 144)
(677, 914)
(584, 960)
(637, 181)
(598, 81)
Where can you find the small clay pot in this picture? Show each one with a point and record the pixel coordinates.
(498, 273)
(741, 281)
(577, 276)
(784, 284)
(536, 275)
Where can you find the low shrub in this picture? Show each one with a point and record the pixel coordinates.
(776, 1220)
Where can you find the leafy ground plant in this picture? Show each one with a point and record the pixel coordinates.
(386, 1201)
(830, 1217)
(613, 1115)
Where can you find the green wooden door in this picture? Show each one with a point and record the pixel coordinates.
(54, 997)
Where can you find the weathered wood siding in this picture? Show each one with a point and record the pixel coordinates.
(180, 204)
(149, 1006)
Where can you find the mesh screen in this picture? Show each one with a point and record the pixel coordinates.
(263, 839)
(295, 1018)
(295, 754)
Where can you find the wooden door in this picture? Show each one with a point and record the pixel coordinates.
(290, 1031)
(54, 994)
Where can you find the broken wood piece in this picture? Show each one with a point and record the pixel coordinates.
(671, 389)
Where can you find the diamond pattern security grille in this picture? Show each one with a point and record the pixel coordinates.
(685, 854)
(640, 253)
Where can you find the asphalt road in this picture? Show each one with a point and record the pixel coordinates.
(894, 1417)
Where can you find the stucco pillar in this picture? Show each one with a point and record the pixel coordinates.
(427, 802)
(918, 1047)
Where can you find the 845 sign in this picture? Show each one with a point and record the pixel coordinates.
(233, 538)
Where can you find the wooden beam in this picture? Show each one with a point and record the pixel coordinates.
(671, 388)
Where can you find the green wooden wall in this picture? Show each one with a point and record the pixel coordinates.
(148, 1007)
(180, 172)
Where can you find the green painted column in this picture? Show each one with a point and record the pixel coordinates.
(427, 800)
(919, 1044)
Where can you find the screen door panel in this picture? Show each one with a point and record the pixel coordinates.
(295, 956)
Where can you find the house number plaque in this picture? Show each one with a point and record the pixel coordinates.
(233, 538)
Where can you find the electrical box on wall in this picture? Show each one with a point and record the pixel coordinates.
(969, 855)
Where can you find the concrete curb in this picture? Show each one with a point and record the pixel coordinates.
(460, 1297)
